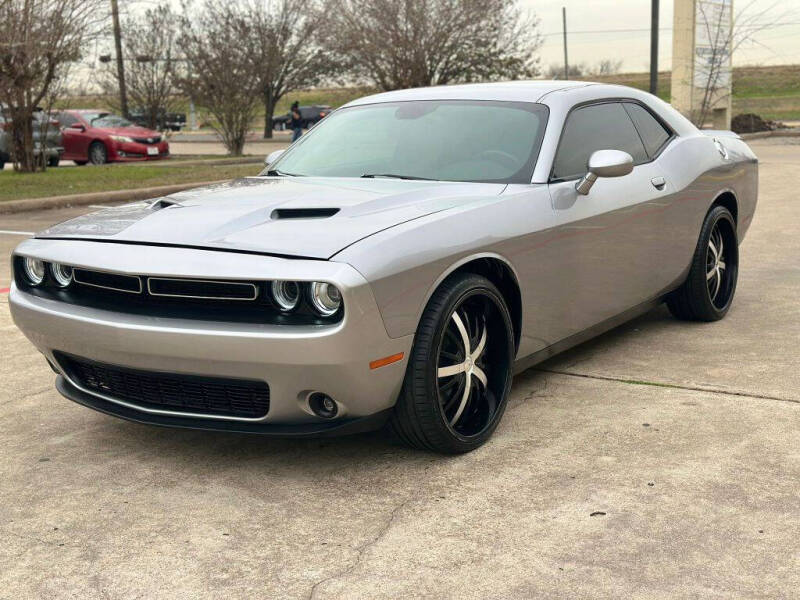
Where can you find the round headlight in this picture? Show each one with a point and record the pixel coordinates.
(62, 274)
(325, 298)
(286, 294)
(34, 270)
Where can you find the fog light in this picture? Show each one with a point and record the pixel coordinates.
(323, 405)
(325, 298)
(34, 270)
(286, 294)
(62, 274)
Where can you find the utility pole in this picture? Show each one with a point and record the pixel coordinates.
(123, 94)
(566, 62)
(654, 47)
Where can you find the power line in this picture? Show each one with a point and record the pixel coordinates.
(765, 27)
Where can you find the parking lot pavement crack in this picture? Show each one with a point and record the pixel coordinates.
(362, 549)
(692, 388)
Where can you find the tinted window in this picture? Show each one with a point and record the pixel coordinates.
(652, 132)
(592, 128)
(448, 140)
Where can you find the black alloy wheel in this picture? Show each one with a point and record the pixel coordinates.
(459, 373)
(708, 291)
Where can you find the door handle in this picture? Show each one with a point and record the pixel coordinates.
(658, 182)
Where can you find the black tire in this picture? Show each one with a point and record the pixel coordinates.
(53, 161)
(456, 413)
(98, 153)
(708, 291)
(2, 165)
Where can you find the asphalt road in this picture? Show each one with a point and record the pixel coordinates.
(659, 460)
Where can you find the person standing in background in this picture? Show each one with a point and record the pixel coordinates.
(296, 122)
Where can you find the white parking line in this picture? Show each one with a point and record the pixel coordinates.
(10, 232)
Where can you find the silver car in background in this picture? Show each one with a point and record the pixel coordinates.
(395, 266)
(47, 138)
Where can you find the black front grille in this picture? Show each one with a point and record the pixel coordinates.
(169, 391)
(108, 281)
(151, 140)
(201, 289)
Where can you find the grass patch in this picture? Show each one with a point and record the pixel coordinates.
(76, 180)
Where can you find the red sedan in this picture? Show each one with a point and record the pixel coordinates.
(99, 137)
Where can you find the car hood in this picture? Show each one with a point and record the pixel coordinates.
(290, 216)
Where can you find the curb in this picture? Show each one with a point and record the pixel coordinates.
(768, 134)
(17, 206)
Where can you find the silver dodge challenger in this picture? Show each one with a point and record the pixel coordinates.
(395, 266)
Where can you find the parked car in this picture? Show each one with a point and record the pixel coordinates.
(99, 137)
(396, 267)
(52, 145)
(171, 121)
(311, 115)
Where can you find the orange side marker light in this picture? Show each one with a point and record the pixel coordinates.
(387, 360)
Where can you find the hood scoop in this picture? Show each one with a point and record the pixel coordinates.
(163, 203)
(303, 213)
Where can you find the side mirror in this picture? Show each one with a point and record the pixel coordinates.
(273, 156)
(605, 163)
(77, 127)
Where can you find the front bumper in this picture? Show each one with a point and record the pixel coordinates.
(133, 151)
(293, 360)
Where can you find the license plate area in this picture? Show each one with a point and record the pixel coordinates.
(152, 150)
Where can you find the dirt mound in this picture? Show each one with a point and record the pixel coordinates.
(751, 123)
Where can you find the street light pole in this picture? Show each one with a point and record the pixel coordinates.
(654, 47)
(566, 62)
(123, 94)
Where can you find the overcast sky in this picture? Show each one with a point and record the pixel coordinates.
(780, 44)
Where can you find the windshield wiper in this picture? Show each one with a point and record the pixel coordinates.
(393, 176)
(276, 173)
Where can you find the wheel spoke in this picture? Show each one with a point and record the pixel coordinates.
(481, 345)
(711, 273)
(480, 375)
(462, 330)
(716, 285)
(451, 370)
(456, 393)
(464, 398)
(713, 249)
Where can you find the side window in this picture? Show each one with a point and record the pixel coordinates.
(66, 119)
(591, 128)
(653, 133)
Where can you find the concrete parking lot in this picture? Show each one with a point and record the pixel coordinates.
(659, 460)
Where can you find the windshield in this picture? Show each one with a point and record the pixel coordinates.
(107, 120)
(445, 140)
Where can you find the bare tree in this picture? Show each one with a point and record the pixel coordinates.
(288, 56)
(713, 73)
(150, 47)
(556, 71)
(607, 66)
(224, 78)
(39, 39)
(432, 42)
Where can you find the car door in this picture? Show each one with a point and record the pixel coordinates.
(607, 245)
(76, 139)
